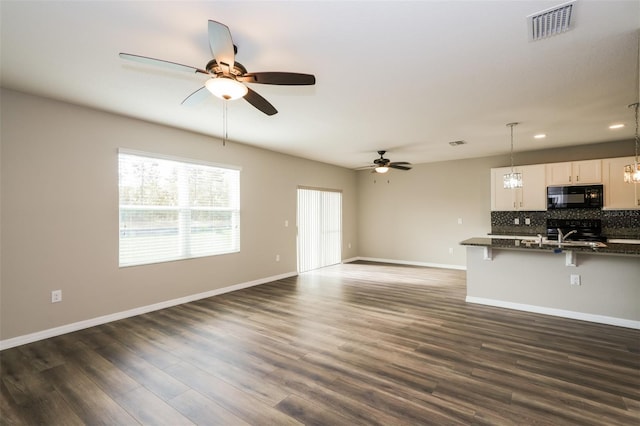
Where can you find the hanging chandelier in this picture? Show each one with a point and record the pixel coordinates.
(632, 171)
(512, 180)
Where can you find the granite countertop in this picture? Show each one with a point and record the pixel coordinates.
(620, 249)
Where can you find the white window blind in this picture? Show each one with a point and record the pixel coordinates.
(174, 209)
(319, 228)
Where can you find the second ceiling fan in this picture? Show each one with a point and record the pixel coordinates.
(382, 165)
(227, 77)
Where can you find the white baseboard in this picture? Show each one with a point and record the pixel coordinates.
(80, 325)
(601, 319)
(410, 263)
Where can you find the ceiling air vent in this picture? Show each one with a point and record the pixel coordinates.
(549, 22)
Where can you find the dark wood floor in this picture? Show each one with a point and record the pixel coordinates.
(345, 345)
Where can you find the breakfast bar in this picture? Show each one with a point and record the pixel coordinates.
(567, 280)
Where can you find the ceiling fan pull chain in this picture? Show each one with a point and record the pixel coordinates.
(224, 123)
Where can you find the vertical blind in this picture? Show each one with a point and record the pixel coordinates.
(174, 209)
(319, 228)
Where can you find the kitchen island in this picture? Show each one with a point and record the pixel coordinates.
(599, 284)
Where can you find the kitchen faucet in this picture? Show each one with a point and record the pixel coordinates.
(561, 237)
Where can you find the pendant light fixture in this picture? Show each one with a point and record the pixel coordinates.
(512, 180)
(632, 171)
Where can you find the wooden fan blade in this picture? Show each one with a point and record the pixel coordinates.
(159, 62)
(196, 97)
(279, 78)
(402, 163)
(259, 102)
(221, 45)
(396, 166)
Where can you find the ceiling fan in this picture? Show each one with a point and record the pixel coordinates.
(227, 77)
(382, 165)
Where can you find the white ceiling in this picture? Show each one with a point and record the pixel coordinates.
(408, 77)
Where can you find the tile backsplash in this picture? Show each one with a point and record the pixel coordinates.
(615, 223)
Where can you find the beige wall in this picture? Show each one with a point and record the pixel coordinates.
(413, 216)
(60, 214)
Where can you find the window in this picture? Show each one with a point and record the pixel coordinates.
(174, 209)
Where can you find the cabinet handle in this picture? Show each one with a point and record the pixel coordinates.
(514, 204)
(569, 179)
(577, 178)
(520, 203)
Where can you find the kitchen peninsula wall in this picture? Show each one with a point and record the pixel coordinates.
(615, 223)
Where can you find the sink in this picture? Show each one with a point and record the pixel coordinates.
(592, 244)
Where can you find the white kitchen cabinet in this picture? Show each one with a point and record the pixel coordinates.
(617, 193)
(574, 173)
(532, 195)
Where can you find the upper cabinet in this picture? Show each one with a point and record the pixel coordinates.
(617, 193)
(532, 195)
(574, 173)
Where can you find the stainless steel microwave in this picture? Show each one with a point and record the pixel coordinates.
(575, 197)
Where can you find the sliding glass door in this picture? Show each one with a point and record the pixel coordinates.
(319, 228)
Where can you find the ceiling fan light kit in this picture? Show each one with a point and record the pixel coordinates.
(512, 180)
(226, 88)
(381, 169)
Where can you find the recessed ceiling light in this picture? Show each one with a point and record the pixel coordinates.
(540, 136)
(616, 126)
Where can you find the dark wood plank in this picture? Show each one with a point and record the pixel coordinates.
(310, 413)
(149, 409)
(43, 410)
(241, 404)
(88, 401)
(321, 397)
(360, 343)
(203, 411)
(143, 372)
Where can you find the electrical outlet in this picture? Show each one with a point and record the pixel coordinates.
(516, 221)
(286, 223)
(349, 245)
(459, 221)
(277, 258)
(56, 296)
(450, 250)
(527, 221)
(575, 279)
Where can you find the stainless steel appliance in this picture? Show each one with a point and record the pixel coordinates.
(575, 197)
